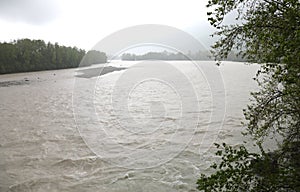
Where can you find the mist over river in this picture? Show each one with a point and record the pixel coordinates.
(137, 127)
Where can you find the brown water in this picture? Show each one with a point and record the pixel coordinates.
(51, 140)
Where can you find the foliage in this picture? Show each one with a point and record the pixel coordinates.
(154, 55)
(266, 32)
(234, 172)
(34, 55)
(93, 57)
(240, 170)
(165, 55)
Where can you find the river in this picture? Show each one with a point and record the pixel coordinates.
(143, 127)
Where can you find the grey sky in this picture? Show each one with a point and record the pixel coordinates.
(29, 11)
(83, 23)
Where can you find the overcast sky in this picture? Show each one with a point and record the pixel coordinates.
(83, 23)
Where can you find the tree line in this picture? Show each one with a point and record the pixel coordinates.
(26, 55)
(165, 55)
(154, 55)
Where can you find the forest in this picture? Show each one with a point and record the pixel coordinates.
(26, 55)
(166, 55)
(154, 55)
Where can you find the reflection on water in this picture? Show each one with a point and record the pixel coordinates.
(42, 150)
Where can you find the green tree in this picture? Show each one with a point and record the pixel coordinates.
(33, 55)
(93, 57)
(266, 32)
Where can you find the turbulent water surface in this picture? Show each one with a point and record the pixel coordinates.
(138, 128)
